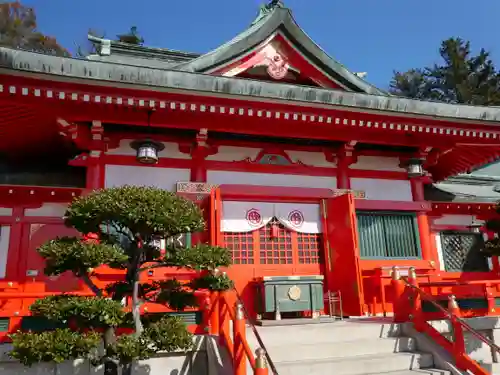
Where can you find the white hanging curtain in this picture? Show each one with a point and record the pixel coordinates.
(245, 216)
(302, 218)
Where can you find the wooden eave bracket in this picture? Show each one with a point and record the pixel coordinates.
(82, 136)
(200, 148)
(346, 155)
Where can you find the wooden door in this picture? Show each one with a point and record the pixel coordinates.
(342, 270)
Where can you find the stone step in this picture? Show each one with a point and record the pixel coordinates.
(420, 371)
(324, 333)
(282, 353)
(357, 365)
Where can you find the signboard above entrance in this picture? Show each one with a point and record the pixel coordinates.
(205, 188)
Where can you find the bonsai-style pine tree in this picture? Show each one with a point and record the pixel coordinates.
(126, 223)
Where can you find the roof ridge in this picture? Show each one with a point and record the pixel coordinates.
(266, 9)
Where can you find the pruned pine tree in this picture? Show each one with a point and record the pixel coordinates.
(128, 222)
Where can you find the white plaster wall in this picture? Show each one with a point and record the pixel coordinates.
(384, 190)
(4, 211)
(163, 178)
(232, 153)
(4, 248)
(378, 163)
(439, 248)
(314, 159)
(47, 209)
(268, 179)
(171, 150)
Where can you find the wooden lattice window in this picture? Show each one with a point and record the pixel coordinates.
(275, 244)
(388, 235)
(462, 252)
(309, 248)
(241, 246)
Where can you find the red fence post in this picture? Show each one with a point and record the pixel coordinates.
(214, 313)
(416, 315)
(224, 326)
(206, 314)
(398, 304)
(239, 334)
(260, 362)
(457, 329)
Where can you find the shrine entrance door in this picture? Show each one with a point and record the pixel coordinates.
(271, 239)
(342, 270)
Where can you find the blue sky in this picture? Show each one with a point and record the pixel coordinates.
(376, 36)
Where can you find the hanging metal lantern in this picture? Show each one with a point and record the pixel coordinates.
(415, 167)
(476, 227)
(147, 151)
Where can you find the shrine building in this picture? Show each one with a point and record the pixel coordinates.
(306, 172)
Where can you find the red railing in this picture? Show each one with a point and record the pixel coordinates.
(226, 307)
(380, 297)
(218, 310)
(407, 306)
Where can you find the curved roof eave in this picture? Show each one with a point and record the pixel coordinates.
(280, 19)
(98, 71)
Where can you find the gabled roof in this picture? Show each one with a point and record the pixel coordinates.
(273, 19)
(279, 20)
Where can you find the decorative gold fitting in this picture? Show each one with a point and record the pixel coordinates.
(395, 273)
(260, 359)
(452, 302)
(412, 273)
(239, 311)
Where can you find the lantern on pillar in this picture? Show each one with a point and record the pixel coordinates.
(415, 168)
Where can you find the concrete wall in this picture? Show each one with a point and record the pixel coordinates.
(192, 363)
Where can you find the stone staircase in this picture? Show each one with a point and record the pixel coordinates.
(351, 347)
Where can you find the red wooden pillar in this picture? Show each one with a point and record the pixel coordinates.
(199, 152)
(345, 157)
(417, 189)
(95, 171)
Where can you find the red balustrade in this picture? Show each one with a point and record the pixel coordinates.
(218, 311)
(407, 298)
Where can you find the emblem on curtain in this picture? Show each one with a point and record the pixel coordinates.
(254, 217)
(296, 218)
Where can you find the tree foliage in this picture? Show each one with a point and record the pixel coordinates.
(18, 29)
(461, 77)
(128, 222)
(492, 245)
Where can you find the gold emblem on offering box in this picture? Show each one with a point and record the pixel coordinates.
(294, 293)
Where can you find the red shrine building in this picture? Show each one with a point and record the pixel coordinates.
(305, 171)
